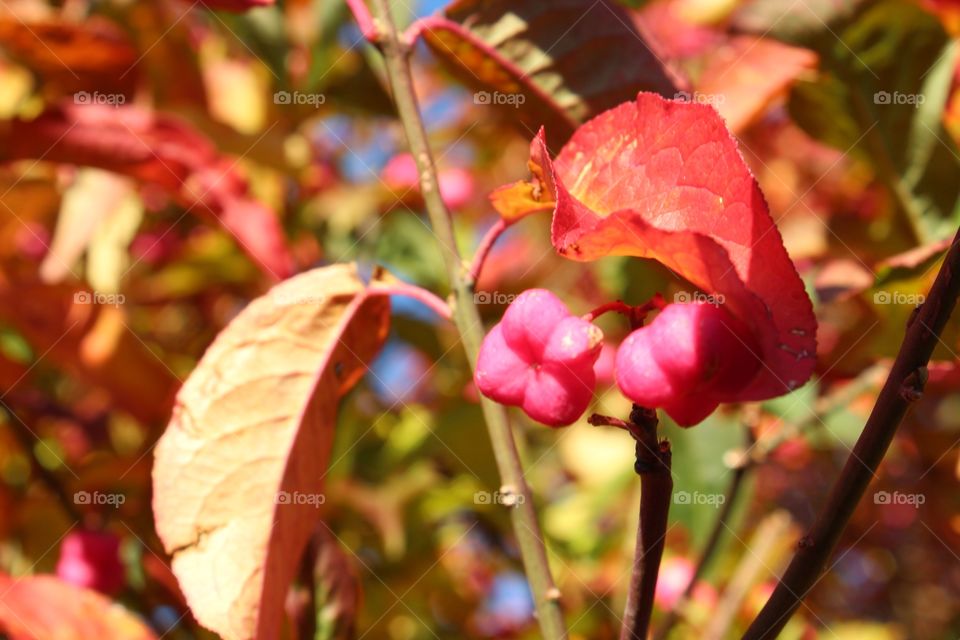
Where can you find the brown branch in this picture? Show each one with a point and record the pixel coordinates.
(656, 489)
(903, 386)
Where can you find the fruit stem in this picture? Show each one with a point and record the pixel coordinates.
(362, 15)
(635, 314)
(903, 386)
(467, 318)
(483, 250)
(656, 489)
(407, 290)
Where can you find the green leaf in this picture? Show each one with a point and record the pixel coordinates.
(798, 23)
(547, 63)
(871, 101)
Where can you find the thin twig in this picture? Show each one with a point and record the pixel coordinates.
(903, 386)
(767, 551)
(483, 250)
(467, 318)
(656, 489)
(362, 15)
(407, 290)
(713, 541)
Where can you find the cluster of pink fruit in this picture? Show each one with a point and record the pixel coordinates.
(687, 361)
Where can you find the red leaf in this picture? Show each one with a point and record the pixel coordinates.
(45, 607)
(664, 180)
(160, 150)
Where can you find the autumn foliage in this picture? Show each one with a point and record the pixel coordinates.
(287, 296)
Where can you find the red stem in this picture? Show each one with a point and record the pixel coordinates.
(430, 299)
(364, 20)
(636, 314)
(483, 250)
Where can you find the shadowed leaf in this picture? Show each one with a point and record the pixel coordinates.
(547, 64)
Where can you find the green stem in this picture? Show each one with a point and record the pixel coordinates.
(526, 528)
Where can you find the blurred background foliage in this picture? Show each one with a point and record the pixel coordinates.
(864, 189)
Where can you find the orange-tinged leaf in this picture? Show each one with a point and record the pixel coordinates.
(745, 75)
(93, 56)
(92, 342)
(664, 180)
(160, 150)
(46, 608)
(524, 197)
(239, 472)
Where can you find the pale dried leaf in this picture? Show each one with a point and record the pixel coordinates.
(254, 422)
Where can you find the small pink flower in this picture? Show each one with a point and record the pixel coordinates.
(91, 559)
(540, 358)
(687, 361)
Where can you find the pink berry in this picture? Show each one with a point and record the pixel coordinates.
(687, 361)
(91, 559)
(456, 187)
(540, 358)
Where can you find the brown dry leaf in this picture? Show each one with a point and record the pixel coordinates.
(239, 473)
(43, 607)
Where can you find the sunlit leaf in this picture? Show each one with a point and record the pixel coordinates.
(664, 180)
(238, 476)
(744, 76)
(158, 150)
